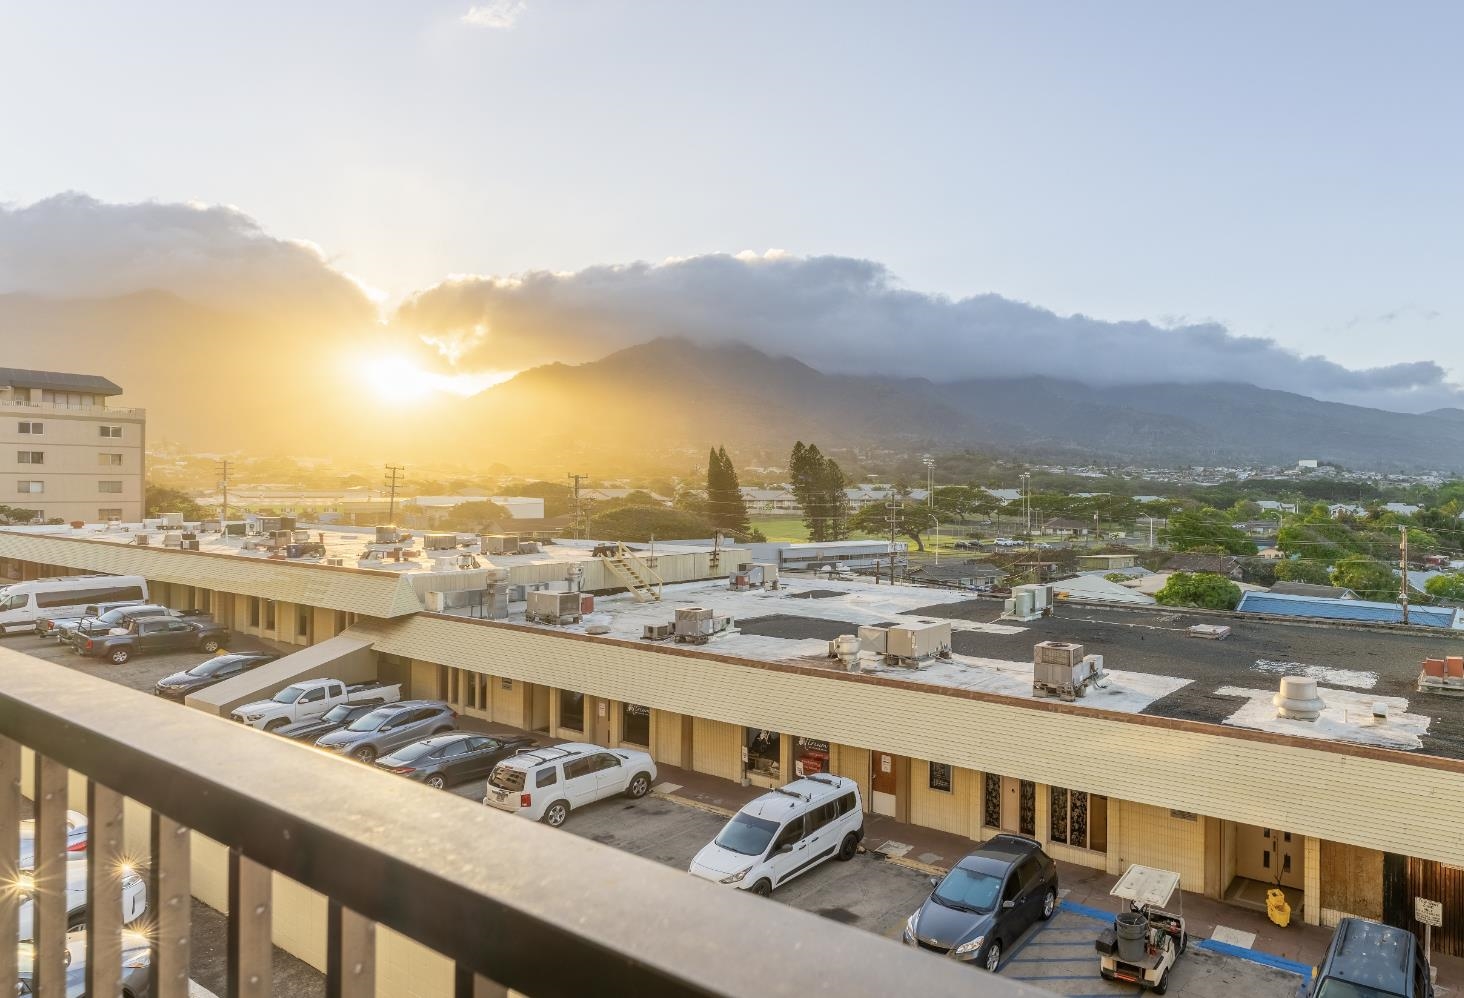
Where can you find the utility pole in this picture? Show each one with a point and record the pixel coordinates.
(577, 523)
(224, 485)
(1403, 571)
(929, 463)
(894, 516)
(393, 477)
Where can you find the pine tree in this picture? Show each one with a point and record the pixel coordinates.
(805, 472)
(730, 512)
(832, 484)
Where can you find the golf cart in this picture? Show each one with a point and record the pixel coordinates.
(1146, 940)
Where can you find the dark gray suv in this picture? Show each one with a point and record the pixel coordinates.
(986, 902)
(390, 726)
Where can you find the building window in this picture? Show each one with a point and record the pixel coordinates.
(31, 456)
(571, 710)
(940, 777)
(1079, 819)
(109, 513)
(505, 683)
(70, 400)
(109, 486)
(30, 487)
(33, 428)
(764, 752)
(111, 432)
(109, 459)
(810, 756)
(635, 724)
(205, 600)
(269, 615)
(302, 621)
(254, 611)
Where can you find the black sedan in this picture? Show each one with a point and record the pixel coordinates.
(442, 760)
(209, 673)
(312, 728)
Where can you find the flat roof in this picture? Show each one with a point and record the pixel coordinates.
(16, 377)
(1154, 666)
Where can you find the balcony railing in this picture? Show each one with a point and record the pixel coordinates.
(510, 903)
(79, 410)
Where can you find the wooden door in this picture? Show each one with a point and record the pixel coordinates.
(884, 782)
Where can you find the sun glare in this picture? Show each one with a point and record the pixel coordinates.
(399, 380)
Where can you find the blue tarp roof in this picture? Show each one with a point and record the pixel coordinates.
(1344, 609)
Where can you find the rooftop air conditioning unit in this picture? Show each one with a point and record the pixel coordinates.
(440, 542)
(911, 644)
(173, 521)
(657, 632)
(555, 608)
(335, 562)
(437, 602)
(388, 534)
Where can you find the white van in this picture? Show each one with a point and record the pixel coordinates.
(784, 833)
(23, 603)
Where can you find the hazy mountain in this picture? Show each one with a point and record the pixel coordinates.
(671, 392)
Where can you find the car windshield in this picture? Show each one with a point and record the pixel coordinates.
(507, 778)
(968, 890)
(340, 713)
(1333, 988)
(371, 721)
(747, 835)
(212, 666)
(113, 617)
(289, 694)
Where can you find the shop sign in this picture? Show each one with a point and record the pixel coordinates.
(884, 764)
(940, 776)
(636, 710)
(813, 745)
(1428, 912)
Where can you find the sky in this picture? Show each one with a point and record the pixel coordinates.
(1293, 172)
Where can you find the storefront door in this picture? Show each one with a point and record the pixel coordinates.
(1018, 806)
(1268, 855)
(884, 783)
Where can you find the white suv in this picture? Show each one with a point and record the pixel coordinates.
(546, 783)
(784, 833)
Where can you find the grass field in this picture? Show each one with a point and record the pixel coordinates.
(791, 528)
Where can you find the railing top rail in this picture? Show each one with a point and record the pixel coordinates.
(535, 909)
(86, 410)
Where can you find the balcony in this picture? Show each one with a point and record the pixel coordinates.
(502, 903)
(54, 408)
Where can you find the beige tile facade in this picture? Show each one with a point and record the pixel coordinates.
(76, 462)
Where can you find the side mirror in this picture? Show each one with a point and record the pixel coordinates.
(786, 848)
(934, 881)
(1009, 904)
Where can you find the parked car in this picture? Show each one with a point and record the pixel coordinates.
(1369, 960)
(545, 784)
(59, 623)
(390, 727)
(337, 717)
(134, 897)
(210, 672)
(444, 760)
(136, 966)
(151, 635)
(72, 631)
(311, 698)
(785, 833)
(986, 901)
(76, 838)
(22, 602)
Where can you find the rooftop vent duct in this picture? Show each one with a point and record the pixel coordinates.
(1298, 699)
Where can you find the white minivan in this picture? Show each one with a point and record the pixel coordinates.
(23, 603)
(784, 833)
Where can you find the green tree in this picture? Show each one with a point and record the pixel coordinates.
(158, 500)
(835, 500)
(558, 499)
(636, 497)
(1449, 587)
(819, 483)
(725, 506)
(1194, 530)
(1367, 577)
(478, 515)
(1302, 570)
(915, 520)
(12, 514)
(642, 523)
(1201, 589)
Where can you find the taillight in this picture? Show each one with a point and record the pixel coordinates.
(77, 846)
(526, 800)
(88, 644)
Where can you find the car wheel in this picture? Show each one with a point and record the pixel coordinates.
(210, 645)
(1163, 984)
(849, 847)
(640, 785)
(119, 656)
(1049, 904)
(278, 722)
(763, 888)
(437, 781)
(76, 920)
(993, 957)
(1183, 940)
(555, 814)
(365, 754)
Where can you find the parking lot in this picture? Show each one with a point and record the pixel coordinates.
(140, 673)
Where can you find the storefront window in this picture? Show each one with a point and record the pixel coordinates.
(991, 802)
(635, 724)
(572, 710)
(810, 756)
(1079, 819)
(763, 751)
(940, 776)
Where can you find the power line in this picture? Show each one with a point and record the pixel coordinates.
(224, 485)
(393, 476)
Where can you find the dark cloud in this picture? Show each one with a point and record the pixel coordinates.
(845, 315)
(73, 246)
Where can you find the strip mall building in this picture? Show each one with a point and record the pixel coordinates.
(1178, 764)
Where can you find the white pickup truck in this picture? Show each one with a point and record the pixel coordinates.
(310, 698)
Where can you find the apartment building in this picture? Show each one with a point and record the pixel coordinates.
(64, 452)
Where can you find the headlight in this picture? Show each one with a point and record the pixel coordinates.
(736, 877)
(130, 877)
(910, 925)
(137, 961)
(967, 947)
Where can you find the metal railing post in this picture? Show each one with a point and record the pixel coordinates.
(251, 953)
(170, 906)
(104, 869)
(48, 924)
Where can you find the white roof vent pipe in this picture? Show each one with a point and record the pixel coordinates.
(1298, 699)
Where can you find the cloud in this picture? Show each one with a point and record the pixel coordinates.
(845, 315)
(73, 246)
(499, 15)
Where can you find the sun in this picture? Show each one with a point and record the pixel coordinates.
(397, 379)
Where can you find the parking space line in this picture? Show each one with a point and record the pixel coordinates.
(1056, 959)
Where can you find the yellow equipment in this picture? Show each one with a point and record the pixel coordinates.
(1277, 908)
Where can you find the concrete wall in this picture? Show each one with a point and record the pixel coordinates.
(72, 469)
(1139, 833)
(343, 657)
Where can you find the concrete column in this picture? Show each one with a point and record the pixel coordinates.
(1311, 864)
(1043, 827)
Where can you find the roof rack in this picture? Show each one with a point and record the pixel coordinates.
(544, 753)
(792, 793)
(826, 779)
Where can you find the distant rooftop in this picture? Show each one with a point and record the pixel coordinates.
(15, 377)
(1323, 608)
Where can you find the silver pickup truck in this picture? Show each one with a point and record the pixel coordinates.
(310, 698)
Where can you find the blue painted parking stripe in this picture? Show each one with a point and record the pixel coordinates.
(1264, 959)
(1085, 911)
